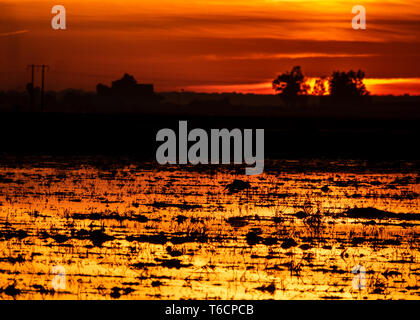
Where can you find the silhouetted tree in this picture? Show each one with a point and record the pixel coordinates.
(348, 85)
(291, 85)
(103, 90)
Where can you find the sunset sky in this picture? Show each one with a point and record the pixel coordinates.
(209, 45)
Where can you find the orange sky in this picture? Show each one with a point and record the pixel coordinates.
(209, 45)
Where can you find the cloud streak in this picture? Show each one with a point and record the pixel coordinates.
(12, 33)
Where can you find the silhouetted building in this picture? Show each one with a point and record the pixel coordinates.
(127, 86)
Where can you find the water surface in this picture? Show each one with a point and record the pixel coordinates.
(124, 229)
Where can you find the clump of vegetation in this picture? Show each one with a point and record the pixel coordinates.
(343, 86)
(313, 218)
(348, 85)
(270, 288)
(291, 85)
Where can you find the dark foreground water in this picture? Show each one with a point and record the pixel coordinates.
(122, 229)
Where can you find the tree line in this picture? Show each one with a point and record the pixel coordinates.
(342, 86)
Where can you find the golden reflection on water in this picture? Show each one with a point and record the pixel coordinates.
(138, 231)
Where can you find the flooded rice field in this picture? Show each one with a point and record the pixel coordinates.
(123, 229)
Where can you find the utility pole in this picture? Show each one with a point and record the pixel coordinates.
(43, 67)
(32, 87)
(34, 67)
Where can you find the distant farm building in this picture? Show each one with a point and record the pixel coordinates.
(127, 86)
